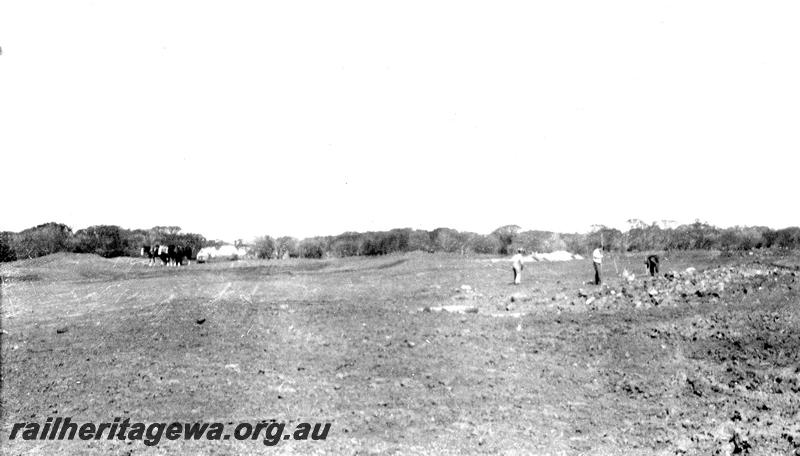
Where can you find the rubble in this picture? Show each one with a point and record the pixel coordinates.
(452, 308)
(466, 293)
(675, 287)
(629, 276)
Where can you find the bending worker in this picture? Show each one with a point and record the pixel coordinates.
(652, 264)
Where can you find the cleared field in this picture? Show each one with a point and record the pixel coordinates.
(567, 368)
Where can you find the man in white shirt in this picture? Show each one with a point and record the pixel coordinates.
(516, 264)
(597, 260)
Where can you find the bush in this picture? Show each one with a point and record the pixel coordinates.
(312, 248)
(485, 244)
(264, 248)
(42, 240)
(6, 250)
(103, 240)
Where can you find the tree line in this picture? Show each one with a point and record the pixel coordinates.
(506, 239)
(104, 240)
(111, 241)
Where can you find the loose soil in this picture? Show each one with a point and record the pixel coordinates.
(411, 354)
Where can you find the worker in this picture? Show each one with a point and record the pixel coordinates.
(517, 265)
(652, 264)
(597, 260)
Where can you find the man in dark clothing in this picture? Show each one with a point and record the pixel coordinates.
(652, 264)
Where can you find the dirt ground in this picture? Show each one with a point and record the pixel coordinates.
(411, 354)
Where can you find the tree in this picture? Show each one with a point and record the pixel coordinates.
(480, 243)
(419, 240)
(6, 249)
(264, 247)
(286, 246)
(134, 240)
(103, 240)
(42, 240)
(447, 240)
(312, 248)
(506, 235)
(531, 241)
(788, 238)
(164, 234)
(346, 244)
(609, 238)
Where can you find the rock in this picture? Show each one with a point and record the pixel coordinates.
(200, 321)
(740, 445)
(590, 300)
(62, 330)
(582, 293)
(652, 292)
(520, 297)
(466, 288)
(683, 444)
(629, 276)
(691, 270)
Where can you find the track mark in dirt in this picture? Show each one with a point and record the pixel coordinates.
(163, 306)
(392, 264)
(221, 293)
(120, 296)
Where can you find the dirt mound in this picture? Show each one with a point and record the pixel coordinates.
(62, 260)
(67, 266)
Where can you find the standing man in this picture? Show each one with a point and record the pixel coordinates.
(597, 260)
(517, 266)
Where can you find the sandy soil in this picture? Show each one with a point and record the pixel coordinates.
(412, 354)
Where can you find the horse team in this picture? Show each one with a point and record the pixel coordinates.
(170, 255)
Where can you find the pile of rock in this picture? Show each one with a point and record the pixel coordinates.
(686, 286)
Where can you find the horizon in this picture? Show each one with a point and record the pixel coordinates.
(238, 121)
(522, 229)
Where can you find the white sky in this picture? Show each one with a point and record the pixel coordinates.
(237, 119)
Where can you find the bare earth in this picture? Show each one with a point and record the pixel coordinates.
(699, 363)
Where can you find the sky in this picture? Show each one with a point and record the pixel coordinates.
(247, 118)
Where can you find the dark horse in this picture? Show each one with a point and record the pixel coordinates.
(154, 252)
(171, 255)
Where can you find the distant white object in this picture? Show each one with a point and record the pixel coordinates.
(559, 255)
(691, 270)
(228, 252)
